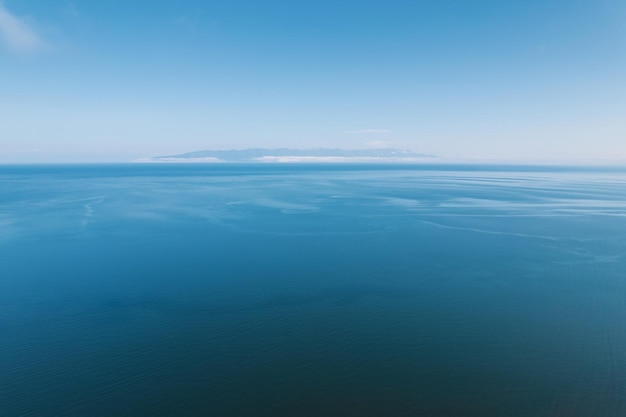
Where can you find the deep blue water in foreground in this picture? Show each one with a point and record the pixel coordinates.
(278, 290)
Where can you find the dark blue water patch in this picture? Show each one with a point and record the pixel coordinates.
(289, 290)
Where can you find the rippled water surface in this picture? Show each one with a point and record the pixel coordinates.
(278, 290)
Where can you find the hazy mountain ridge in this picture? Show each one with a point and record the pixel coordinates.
(295, 155)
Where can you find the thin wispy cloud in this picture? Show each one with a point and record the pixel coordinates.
(368, 131)
(17, 34)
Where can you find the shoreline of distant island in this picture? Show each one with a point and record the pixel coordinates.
(288, 155)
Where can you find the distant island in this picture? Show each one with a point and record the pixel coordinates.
(296, 155)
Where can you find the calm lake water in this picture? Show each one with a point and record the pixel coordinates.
(312, 290)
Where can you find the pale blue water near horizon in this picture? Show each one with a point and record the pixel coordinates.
(312, 290)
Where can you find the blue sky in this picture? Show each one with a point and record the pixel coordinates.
(89, 80)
